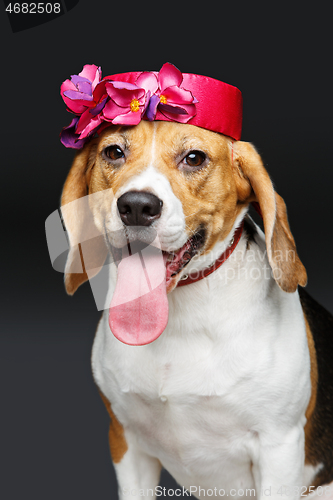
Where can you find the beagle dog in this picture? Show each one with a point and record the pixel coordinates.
(221, 371)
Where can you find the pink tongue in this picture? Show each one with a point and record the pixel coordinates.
(139, 307)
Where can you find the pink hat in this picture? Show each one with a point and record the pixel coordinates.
(127, 98)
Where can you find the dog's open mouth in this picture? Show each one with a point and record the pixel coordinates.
(139, 306)
(173, 261)
(176, 261)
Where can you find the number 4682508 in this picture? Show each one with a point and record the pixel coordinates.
(33, 8)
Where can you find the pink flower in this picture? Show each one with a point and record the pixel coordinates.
(90, 119)
(126, 105)
(78, 91)
(167, 95)
(84, 95)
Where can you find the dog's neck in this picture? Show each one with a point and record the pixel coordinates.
(238, 285)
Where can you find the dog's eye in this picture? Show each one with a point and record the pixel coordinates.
(113, 153)
(194, 159)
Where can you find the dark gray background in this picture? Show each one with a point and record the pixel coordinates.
(53, 424)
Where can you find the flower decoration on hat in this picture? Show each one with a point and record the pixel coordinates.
(85, 96)
(126, 105)
(167, 95)
(98, 103)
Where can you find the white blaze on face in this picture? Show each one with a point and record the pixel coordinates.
(139, 307)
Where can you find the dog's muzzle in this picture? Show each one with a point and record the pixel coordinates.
(139, 307)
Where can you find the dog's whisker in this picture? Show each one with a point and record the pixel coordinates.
(191, 231)
(194, 213)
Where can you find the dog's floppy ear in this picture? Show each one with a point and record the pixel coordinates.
(87, 250)
(254, 184)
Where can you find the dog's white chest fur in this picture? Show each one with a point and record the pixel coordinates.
(200, 395)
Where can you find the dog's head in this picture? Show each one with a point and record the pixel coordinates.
(161, 195)
(181, 186)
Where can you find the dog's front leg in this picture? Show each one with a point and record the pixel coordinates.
(137, 473)
(278, 467)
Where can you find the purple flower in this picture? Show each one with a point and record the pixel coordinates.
(69, 138)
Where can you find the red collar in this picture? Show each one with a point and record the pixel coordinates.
(187, 279)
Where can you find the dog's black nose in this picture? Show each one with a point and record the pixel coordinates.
(139, 208)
